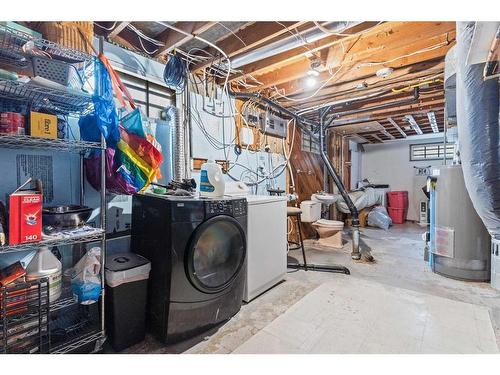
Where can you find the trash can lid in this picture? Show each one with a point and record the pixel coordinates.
(124, 261)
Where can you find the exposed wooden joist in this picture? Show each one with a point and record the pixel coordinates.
(399, 75)
(118, 29)
(249, 37)
(387, 134)
(173, 39)
(352, 69)
(260, 66)
(130, 40)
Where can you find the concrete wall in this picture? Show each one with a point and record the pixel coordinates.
(389, 163)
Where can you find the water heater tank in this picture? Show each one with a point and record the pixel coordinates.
(462, 243)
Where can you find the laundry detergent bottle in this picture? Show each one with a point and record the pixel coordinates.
(45, 265)
(212, 184)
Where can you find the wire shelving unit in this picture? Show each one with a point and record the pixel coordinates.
(17, 141)
(85, 329)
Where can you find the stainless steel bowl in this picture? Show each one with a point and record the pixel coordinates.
(65, 216)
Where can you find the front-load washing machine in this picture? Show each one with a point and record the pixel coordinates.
(197, 248)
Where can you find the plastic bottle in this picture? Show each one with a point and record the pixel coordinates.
(212, 182)
(45, 264)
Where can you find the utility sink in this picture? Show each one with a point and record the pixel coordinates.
(325, 198)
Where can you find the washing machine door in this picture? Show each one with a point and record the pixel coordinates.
(216, 254)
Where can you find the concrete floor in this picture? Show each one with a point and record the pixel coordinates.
(399, 263)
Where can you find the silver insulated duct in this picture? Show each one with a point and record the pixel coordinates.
(179, 164)
(290, 42)
(478, 132)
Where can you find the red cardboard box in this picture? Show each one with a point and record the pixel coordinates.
(25, 216)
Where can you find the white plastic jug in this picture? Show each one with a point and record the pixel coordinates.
(45, 264)
(212, 182)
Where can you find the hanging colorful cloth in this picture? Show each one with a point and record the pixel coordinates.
(133, 161)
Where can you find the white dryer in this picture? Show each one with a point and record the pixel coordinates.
(266, 243)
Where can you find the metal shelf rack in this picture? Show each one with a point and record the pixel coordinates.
(15, 41)
(16, 51)
(94, 236)
(59, 100)
(16, 141)
(24, 317)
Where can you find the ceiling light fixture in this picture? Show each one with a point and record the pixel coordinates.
(384, 72)
(396, 126)
(414, 124)
(311, 81)
(361, 86)
(312, 73)
(432, 120)
(314, 64)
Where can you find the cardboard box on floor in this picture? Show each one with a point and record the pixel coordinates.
(362, 216)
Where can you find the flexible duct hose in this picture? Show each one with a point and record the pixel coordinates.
(172, 116)
(478, 132)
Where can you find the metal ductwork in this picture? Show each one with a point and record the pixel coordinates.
(293, 41)
(478, 131)
(179, 164)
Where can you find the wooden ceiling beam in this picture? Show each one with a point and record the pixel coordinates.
(352, 69)
(396, 112)
(247, 38)
(405, 73)
(128, 39)
(174, 39)
(267, 64)
(118, 29)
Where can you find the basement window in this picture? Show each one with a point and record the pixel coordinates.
(430, 151)
(151, 97)
(309, 144)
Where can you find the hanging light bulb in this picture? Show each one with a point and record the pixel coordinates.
(311, 81)
(312, 72)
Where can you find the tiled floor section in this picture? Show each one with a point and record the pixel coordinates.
(375, 319)
(399, 263)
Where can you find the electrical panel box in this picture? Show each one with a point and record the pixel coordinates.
(273, 125)
(251, 117)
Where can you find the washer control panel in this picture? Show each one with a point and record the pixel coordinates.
(236, 207)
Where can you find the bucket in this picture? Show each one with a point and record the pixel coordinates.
(397, 199)
(398, 215)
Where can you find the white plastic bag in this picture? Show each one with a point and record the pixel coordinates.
(361, 199)
(86, 278)
(378, 217)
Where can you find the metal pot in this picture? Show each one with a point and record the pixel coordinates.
(65, 216)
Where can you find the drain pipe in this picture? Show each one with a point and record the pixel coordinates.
(331, 170)
(277, 107)
(355, 254)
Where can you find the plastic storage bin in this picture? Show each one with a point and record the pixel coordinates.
(127, 277)
(397, 199)
(398, 215)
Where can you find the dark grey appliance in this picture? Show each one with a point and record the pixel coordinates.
(197, 249)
